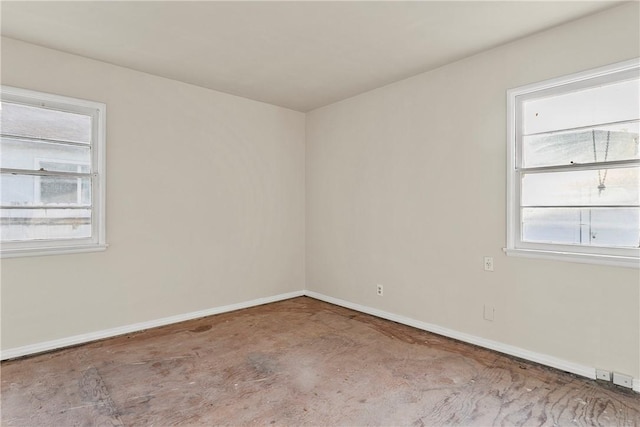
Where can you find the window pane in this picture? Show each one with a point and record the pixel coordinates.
(603, 104)
(35, 122)
(19, 154)
(58, 190)
(25, 190)
(609, 227)
(45, 223)
(599, 144)
(604, 187)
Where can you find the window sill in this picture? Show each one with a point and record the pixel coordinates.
(619, 261)
(60, 250)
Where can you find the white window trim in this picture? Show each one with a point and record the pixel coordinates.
(98, 111)
(515, 247)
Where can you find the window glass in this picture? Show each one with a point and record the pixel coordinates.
(35, 122)
(599, 187)
(597, 144)
(33, 191)
(587, 107)
(607, 227)
(28, 154)
(45, 224)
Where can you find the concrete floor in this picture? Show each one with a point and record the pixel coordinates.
(298, 362)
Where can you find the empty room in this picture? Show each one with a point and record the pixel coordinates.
(320, 213)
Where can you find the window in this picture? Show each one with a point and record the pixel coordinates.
(52, 174)
(574, 167)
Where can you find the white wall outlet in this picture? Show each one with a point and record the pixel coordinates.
(623, 380)
(379, 290)
(489, 313)
(488, 263)
(603, 375)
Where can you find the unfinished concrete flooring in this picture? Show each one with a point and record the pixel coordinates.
(298, 362)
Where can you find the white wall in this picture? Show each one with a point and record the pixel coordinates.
(406, 188)
(205, 204)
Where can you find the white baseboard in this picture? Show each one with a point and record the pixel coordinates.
(554, 362)
(127, 329)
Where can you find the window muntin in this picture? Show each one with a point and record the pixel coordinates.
(574, 167)
(52, 174)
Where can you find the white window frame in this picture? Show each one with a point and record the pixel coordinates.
(624, 257)
(98, 113)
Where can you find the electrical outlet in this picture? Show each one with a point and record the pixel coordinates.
(601, 374)
(488, 263)
(379, 290)
(623, 380)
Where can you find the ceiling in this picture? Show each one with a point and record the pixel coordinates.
(296, 54)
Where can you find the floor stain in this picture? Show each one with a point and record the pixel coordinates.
(202, 328)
